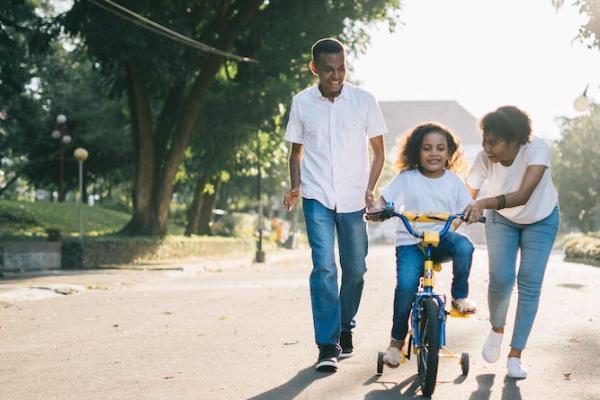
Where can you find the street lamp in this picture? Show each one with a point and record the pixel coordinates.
(59, 133)
(81, 155)
(582, 102)
(260, 254)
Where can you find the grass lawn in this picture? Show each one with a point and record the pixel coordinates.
(27, 220)
(19, 219)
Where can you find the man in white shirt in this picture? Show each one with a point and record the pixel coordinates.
(331, 126)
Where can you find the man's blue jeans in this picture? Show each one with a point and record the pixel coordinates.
(409, 266)
(332, 311)
(504, 239)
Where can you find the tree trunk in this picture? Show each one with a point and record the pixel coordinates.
(208, 204)
(154, 197)
(143, 221)
(194, 210)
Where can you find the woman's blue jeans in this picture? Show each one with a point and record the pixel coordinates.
(409, 266)
(504, 240)
(335, 311)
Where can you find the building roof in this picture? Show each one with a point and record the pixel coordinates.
(400, 116)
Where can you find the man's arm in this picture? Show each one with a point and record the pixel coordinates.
(294, 164)
(377, 164)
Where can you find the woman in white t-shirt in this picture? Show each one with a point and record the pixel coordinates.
(426, 183)
(522, 215)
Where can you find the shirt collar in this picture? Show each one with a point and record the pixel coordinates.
(343, 95)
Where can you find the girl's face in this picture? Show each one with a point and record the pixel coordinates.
(498, 150)
(434, 154)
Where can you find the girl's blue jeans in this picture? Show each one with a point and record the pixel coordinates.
(409, 265)
(335, 311)
(504, 240)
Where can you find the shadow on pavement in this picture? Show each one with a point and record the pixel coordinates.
(484, 387)
(395, 392)
(511, 391)
(293, 387)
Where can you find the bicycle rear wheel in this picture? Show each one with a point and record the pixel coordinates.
(428, 353)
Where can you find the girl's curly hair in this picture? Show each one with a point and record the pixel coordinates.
(409, 146)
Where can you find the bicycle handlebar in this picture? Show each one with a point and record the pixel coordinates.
(407, 217)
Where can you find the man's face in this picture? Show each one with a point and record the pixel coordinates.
(331, 70)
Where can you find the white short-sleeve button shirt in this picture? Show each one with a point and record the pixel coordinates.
(335, 140)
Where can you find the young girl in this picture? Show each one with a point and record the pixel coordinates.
(425, 183)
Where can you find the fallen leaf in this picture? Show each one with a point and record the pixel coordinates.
(291, 343)
(567, 376)
(168, 377)
(224, 317)
(115, 325)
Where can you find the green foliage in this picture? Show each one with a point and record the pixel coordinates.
(591, 29)
(68, 83)
(576, 171)
(23, 35)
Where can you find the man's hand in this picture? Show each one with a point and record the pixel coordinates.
(369, 199)
(290, 199)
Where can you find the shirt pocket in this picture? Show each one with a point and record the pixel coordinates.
(313, 134)
(354, 128)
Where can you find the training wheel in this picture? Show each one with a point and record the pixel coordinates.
(464, 363)
(380, 363)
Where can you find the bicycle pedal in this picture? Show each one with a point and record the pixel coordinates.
(454, 313)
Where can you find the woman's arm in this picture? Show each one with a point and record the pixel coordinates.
(533, 176)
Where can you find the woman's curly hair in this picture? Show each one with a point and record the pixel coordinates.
(409, 146)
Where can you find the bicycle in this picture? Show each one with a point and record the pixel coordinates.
(428, 312)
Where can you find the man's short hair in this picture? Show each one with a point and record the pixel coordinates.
(326, 45)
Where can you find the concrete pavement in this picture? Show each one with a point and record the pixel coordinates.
(208, 331)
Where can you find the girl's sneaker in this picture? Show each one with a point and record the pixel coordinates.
(515, 368)
(464, 306)
(392, 357)
(491, 347)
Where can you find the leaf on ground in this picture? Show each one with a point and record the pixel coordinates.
(567, 376)
(224, 317)
(168, 377)
(291, 343)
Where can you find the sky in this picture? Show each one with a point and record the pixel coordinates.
(484, 54)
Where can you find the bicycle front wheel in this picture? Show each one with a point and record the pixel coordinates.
(428, 353)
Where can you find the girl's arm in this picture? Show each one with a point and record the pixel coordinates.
(533, 176)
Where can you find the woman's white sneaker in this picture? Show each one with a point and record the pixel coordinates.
(515, 368)
(491, 347)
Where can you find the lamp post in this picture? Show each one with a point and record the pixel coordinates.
(81, 155)
(582, 102)
(59, 133)
(260, 254)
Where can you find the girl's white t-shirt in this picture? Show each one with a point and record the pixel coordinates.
(503, 180)
(412, 191)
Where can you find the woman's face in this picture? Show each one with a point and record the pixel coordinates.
(433, 156)
(499, 150)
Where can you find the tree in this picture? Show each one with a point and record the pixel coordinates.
(23, 35)
(67, 83)
(166, 83)
(576, 171)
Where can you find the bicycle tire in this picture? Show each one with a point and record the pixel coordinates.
(428, 353)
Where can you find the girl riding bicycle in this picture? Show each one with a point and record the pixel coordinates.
(428, 157)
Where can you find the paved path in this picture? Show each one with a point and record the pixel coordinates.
(246, 333)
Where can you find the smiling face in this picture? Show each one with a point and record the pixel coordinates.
(434, 154)
(499, 150)
(331, 70)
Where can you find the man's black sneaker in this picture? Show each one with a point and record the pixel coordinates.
(327, 358)
(346, 344)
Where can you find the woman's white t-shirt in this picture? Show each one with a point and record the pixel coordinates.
(412, 191)
(503, 180)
